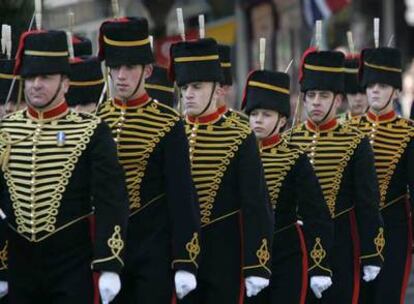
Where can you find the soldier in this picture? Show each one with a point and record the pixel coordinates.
(355, 93)
(227, 172)
(160, 87)
(227, 86)
(344, 164)
(391, 138)
(163, 233)
(288, 169)
(58, 168)
(86, 83)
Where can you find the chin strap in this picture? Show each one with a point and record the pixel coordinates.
(51, 100)
(275, 127)
(209, 101)
(388, 102)
(329, 111)
(138, 85)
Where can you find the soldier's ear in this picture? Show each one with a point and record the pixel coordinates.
(396, 94)
(282, 122)
(65, 83)
(219, 92)
(338, 99)
(148, 70)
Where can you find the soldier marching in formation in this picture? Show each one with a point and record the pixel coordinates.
(163, 241)
(392, 139)
(287, 168)
(344, 164)
(107, 193)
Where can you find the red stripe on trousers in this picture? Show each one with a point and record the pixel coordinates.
(357, 253)
(96, 295)
(304, 251)
(409, 256)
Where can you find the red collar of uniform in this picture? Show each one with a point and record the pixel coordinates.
(223, 109)
(133, 102)
(381, 118)
(55, 112)
(271, 141)
(213, 117)
(323, 127)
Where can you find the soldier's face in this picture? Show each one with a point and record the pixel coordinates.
(358, 103)
(321, 106)
(45, 90)
(379, 96)
(196, 97)
(263, 122)
(126, 79)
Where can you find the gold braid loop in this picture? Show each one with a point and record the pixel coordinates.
(5, 140)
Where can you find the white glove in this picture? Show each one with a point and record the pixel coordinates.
(184, 283)
(254, 285)
(319, 284)
(4, 288)
(370, 272)
(109, 286)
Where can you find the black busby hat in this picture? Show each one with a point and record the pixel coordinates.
(86, 81)
(267, 90)
(193, 61)
(6, 78)
(42, 53)
(322, 70)
(82, 46)
(160, 87)
(225, 63)
(381, 65)
(125, 41)
(351, 75)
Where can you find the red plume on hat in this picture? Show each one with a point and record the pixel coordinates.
(302, 61)
(20, 50)
(101, 44)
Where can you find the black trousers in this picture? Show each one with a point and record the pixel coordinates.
(54, 271)
(147, 277)
(219, 278)
(391, 283)
(288, 283)
(344, 263)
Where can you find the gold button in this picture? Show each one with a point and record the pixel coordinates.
(314, 136)
(371, 142)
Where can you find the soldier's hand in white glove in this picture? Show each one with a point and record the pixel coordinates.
(184, 283)
(254, 285)
(319, 284)
(109, 286)
(4, 288)
(370, 272)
